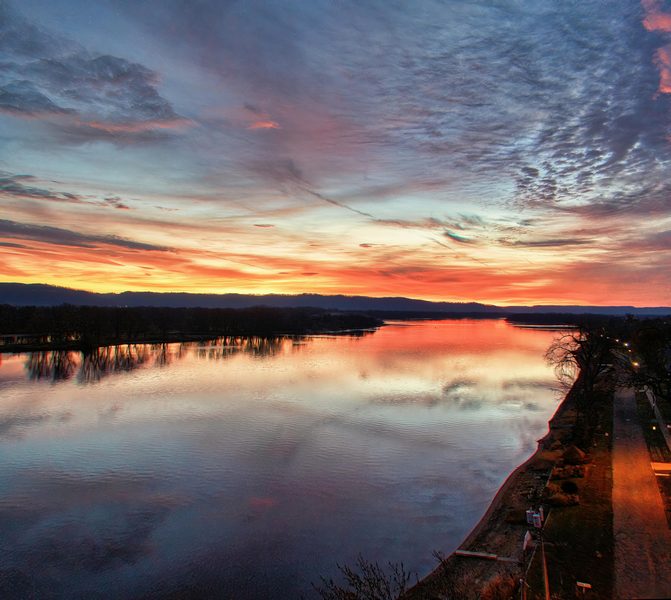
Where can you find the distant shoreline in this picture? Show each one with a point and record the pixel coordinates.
(37, 294)
(85, 328)
(184, 338)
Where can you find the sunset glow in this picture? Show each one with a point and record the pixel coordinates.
(511, 154)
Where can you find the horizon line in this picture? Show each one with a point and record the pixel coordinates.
(345, 295)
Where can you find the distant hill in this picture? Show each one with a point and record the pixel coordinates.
(19, 294)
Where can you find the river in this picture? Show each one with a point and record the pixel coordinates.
(247, 468)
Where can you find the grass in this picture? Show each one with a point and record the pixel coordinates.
(579, 539)
(657, 448)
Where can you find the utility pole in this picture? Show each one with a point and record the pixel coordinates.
(545, 569)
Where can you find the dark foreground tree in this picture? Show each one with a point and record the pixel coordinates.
(580, 358)
(651, 341)
(583, 353)
(366, 581)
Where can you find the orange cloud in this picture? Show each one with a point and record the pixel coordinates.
(655, 19)
(264, 125)
(663, 62)
(137, 127)
(232, 255)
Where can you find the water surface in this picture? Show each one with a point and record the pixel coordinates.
(246, 468)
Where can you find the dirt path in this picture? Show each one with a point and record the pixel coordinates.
(642, 534)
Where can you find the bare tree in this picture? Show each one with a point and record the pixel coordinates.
(652, 343)
(583, 354)
(580, 358)
(366, 581)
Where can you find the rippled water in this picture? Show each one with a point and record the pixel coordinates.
(246, 468)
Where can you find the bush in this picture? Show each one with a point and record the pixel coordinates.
(569, 487)
(562, 499)
(501, 587)
(568, 472)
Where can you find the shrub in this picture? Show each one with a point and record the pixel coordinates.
(569, 487)
(562, 499)
(500, 587)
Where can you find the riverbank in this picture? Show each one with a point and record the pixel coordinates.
(177, 338)
(500, 561)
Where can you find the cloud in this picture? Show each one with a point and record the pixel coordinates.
(548, 243)
(12, 186)
(656, 242)
(500, 145)
(24, 98)
(499, 95)
(264, 125)
(255, 110)
(66, 237)
(663, 62)
(286, 173)
(15, 186)
(67, 87)
(116, 202)
(457, 237)
(655, 19)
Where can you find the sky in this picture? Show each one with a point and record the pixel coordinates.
(507, 152)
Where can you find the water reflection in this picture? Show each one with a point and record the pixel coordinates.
(58, 365)
(258, 346)
(105, 361)
(92, 366)
(276, 457)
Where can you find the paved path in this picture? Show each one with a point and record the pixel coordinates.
(642, 534)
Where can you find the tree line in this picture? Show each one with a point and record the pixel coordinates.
(625, 351)
(82, 327)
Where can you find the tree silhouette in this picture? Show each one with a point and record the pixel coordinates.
(366, 581)
(580, 358)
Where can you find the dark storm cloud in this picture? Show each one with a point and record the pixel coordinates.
(66, 237)
(86, 95)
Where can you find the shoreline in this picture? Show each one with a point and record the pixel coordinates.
(181, 338)
(486, 535)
